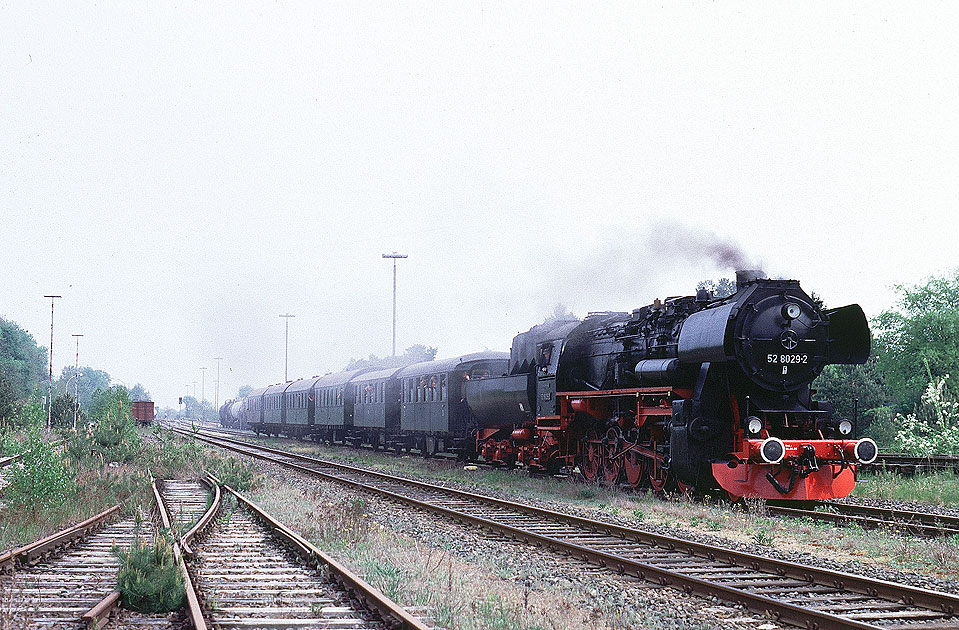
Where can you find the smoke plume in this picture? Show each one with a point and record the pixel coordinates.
(699, 245)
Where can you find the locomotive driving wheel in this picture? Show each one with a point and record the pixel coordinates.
(635, 466)
(657, 476)
(591, 463)
(612, 465)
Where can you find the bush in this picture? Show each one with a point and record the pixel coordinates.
(232, 472)
(41, 478)
(149, 579)
(934, 425)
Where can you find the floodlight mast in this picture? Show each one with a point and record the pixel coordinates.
(286, 349)
(394, 256)
(50, 388)
(216, 399)
(76, 375)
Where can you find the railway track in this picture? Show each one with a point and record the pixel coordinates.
(67, 580)
(252, 572)
(913, 464)
(924, 524)
(804, 596)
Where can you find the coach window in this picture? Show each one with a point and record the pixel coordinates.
(442, 387)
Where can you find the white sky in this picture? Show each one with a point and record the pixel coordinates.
(183, 173)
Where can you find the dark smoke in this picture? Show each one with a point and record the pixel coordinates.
(699, 245)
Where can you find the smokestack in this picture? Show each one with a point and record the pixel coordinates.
(745, 276)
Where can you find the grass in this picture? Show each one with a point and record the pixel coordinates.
(475, 592)
(875, 547)
(938, 488)
(52, 488)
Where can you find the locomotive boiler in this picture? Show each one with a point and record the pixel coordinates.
(691, 392)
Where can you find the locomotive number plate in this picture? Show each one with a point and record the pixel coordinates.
(787, 359)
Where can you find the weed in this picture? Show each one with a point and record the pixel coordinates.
(639, 515)
(149, 579)
(762, 537)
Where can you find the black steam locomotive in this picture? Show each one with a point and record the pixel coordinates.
(690, 392)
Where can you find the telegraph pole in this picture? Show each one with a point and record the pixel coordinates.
(50, 388)
(394, 256)
(216, 396)
(76, 375)
(286, 351)
(203, 384)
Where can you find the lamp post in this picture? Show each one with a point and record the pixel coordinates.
(76, 374)
(286, 349)
(394, 256)
(202, 384)
(216, 395)
(50, 388)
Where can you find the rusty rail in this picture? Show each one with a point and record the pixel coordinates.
(37, 549)
(193, 602)
(100, 613)
(371, 597)
(781, 610)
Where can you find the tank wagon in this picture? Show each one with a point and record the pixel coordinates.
(690, 392)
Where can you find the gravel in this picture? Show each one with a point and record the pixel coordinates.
(588, 587)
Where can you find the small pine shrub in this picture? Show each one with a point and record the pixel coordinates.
(149, 579)
(234, 473)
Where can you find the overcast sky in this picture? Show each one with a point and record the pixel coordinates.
(183, 173)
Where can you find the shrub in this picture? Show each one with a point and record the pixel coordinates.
(232, 472)
(41, 478)
(934, 425)
(149, 579)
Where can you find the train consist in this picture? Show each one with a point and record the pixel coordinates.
(690, 392)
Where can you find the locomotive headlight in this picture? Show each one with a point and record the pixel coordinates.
(791, 311)
(866, 451)
(772, 450)
(754, 425)
(845, 427)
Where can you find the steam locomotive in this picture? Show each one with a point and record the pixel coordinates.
(691, 392)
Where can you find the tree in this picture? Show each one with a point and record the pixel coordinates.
(843, 385)
(199, 410)
(91, 380)
(8, 399)
(918, 342)
(113, 401)
(62, 413)
(417, 353)
(245, 391)
(22, 362)
(138, 392)
(724, 287)
(560, 314)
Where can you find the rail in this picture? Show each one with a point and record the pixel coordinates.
(924, 524)
(194, 609)
(37, 549)
(840, 586)
(359, 588)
